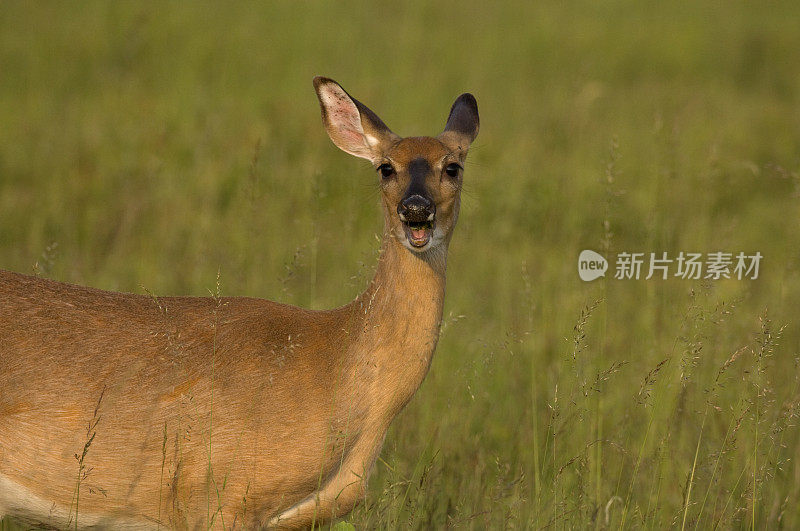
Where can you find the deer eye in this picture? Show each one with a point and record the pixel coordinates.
(386, 170)
(452, 169)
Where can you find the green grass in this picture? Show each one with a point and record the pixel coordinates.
(149, 146)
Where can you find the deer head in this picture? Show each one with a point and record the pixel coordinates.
(420, 177)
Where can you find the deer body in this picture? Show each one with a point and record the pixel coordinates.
(123, 410)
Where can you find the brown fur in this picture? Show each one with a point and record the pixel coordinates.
(239, 410)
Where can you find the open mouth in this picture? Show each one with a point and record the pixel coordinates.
(418, 232)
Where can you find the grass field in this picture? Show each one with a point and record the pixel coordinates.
(149, 146)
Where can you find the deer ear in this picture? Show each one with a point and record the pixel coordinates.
(462, 124)
(350, 124)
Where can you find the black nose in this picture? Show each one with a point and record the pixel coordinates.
(416, 209)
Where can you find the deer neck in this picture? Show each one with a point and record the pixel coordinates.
(401, 312)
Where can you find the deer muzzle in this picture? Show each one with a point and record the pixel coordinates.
(418, 214)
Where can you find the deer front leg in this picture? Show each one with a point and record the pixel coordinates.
(337, 497)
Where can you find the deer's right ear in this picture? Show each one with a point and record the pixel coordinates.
(350, 124)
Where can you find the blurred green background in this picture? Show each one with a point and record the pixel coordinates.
(147, 146)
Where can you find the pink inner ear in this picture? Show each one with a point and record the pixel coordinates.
(343, 116)
(351, 136)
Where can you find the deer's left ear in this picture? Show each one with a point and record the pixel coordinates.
(462, 124)
(350, 124)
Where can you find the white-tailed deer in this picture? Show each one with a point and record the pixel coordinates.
(120, 410)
